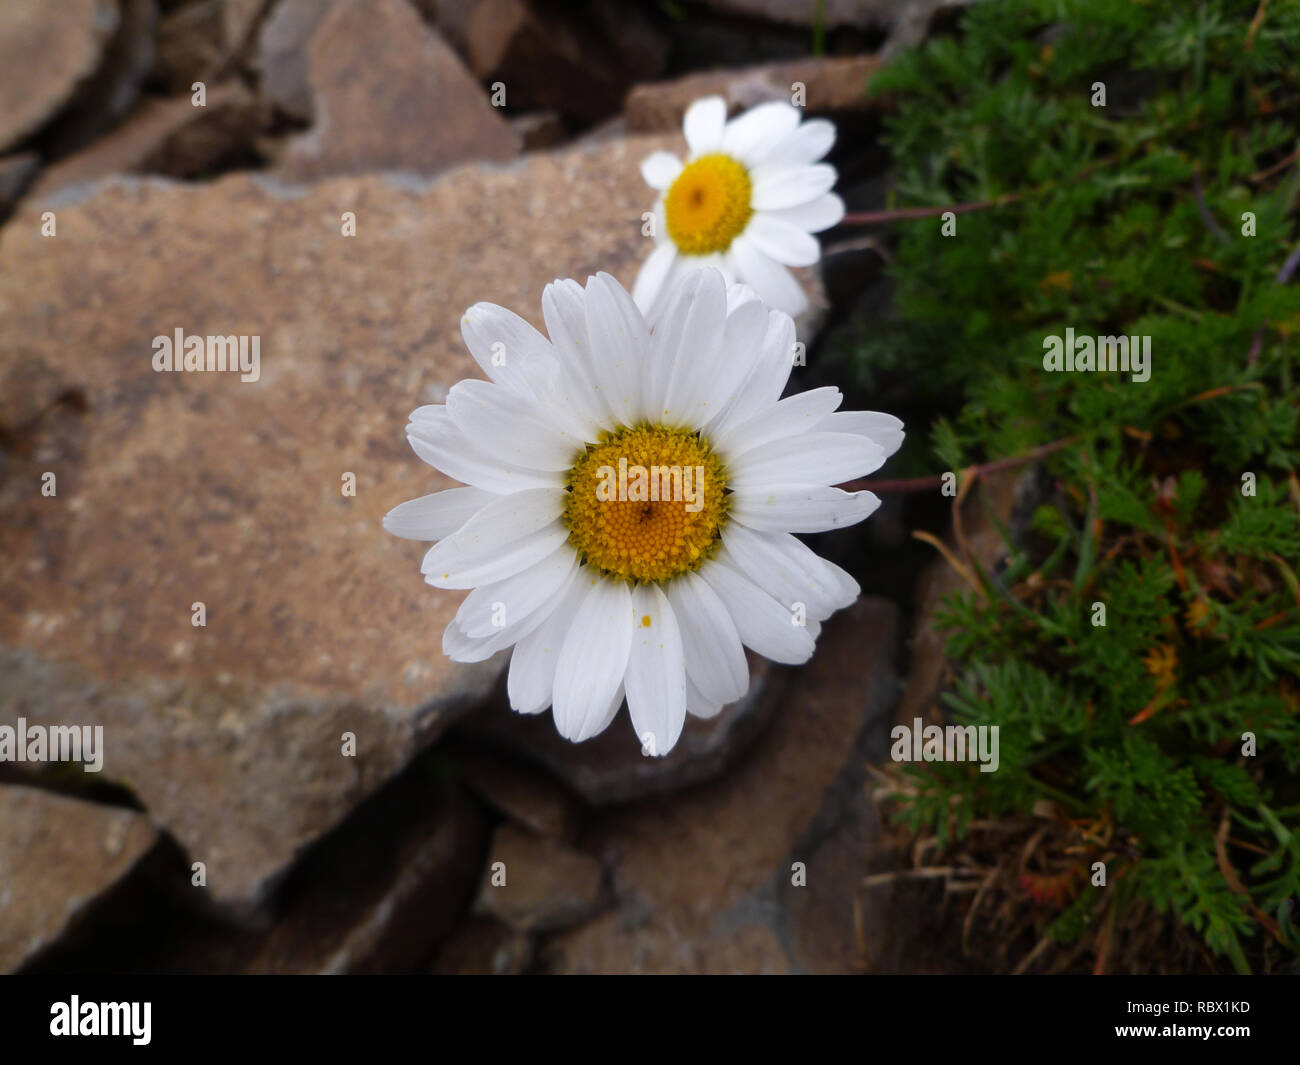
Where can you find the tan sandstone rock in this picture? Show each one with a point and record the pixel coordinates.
(183, 488)
(178, 488)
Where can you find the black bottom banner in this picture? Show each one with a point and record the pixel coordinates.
(151, 1013)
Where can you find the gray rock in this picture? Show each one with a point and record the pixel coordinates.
(578, 59)
(865, 14)
(46, 52)
(611, 767)
(58, 856)
(169, 137)
(535, 884)
(831, 84)
(16, 173)
(483, 947)
(707, 882)
(378, 895)
(109, 94)
(282, 51)
(521, 792)
(417, 111)
(202, 41)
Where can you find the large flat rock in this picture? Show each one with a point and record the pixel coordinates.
(178, 488)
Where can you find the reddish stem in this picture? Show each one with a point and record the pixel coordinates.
(922, 484)
(903, 214)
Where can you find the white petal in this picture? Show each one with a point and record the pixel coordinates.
(840, 587)
(884, 429)
(656, 671)
(737, 295)
(503, 344)
(503, 538)
(763, 623)
(532, 666)
(436, 515)
(686, 350)
(482, 569)
(461, 648)
(822, 213)
(777, 186)
(779, 240)
(791, 416)
(660, 169)
(698, 704)
(781, 565)
(721, 261)
(812, 458)
(752, 136)
(653, 275)
(767, 374)
(506, 605)
(805, 145)
(564, 306)
(504, 426)
(703, 124)
(715, 660)
(843, 589)
(437, 440)
(774, 284)
(617, 332)
(802, 508)
(611, 711)
(742, 338)
(593, 659)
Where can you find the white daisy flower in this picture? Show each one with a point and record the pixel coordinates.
(632, 485)
(746, 202)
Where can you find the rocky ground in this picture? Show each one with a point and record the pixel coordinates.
(229, 830)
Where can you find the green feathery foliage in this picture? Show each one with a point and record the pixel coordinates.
(1170, 212)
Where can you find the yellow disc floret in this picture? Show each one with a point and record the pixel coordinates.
(707, 207)
(646, 504)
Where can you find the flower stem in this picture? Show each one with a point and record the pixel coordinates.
(925, 484)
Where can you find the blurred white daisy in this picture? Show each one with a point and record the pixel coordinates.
(746, 201)
(605, 583)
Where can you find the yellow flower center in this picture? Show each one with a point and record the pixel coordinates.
(707, 207)
(646, 504)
